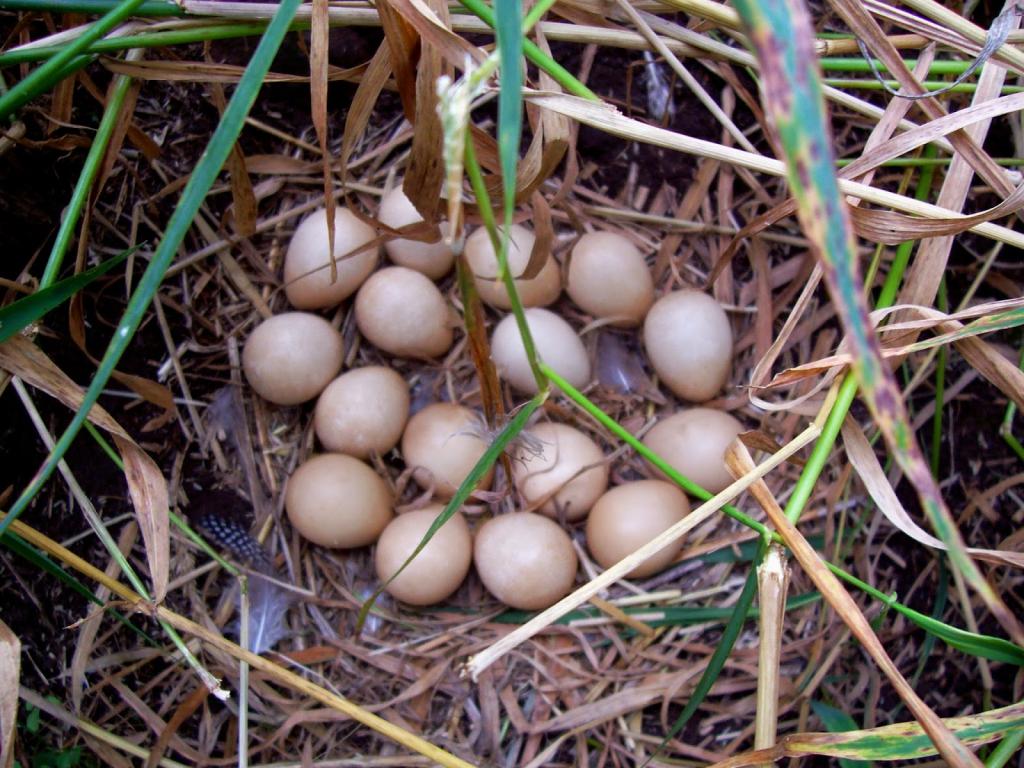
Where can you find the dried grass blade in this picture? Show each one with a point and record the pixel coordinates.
(782, 33)
(318, 61)
(740, 461)
(425, 173)
(10, 677)
(146, 484)
(482, 660)
(271, 669)
(608, 119)
(865, 464)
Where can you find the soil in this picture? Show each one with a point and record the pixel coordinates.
(35, 185)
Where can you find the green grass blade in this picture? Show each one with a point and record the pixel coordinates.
(558, 73)
(30, 554)
(92, 7)
(906, 741)
(199, 183)
(47, 75)
(837, 721)
(86, 179)
(23, 312)
(664, 616)
(481, 468)
(791, 86)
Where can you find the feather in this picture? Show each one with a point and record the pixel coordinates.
(268, 600)
(268, 605)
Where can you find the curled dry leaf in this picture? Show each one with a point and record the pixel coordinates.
(146, 484)
(866, 465)
(10, 674)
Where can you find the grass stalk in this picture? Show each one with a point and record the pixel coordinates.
(199, 183)
(86, 179)
(48, 74)
(772, 586)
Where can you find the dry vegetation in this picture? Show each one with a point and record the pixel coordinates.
(598, 688)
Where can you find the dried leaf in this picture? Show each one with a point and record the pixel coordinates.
(319, 50)
(146, 484)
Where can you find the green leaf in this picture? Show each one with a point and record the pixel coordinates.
(23, 312)
(49, 74)
(837, 721)
(199, 183)
(509, 33)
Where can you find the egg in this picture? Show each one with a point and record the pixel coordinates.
(337, 501)
(608, 277)
(289, 358)
(557, 345)
(525, 560)
(689, 342)
(401, 312)
(439, 443)
(441, 566)
(307, 271)
(629, 516)
(538, 291)
(694, 442)
(362, 411)
(432, 259)
(566, 451)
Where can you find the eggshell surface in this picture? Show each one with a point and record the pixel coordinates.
(525, 560)
(438, 569)
(566, 451)
(337, 501)
(537, 291)
(689, 342)
(557, 345)
(694, 442)
(401, 312)
(289, 358)
(431, 259)
(608, 277)
(440, 444)
(362, 410)
(629, 516)
(307, 272)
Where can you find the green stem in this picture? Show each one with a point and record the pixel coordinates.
(483, 202)
(86, 178)
(49, 73)
(851, 64)
(558, 73)
(93, 7)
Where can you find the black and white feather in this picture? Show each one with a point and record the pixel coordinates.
(268, 601)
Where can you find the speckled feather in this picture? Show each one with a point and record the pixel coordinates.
(233, 537)
(268, 602)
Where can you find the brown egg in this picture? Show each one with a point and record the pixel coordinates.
(438, 570)
(538, 291)
(307, 272)
(557, 345)
(694, 442)
(629, 516)
(362, 410)
(525, 560)
(689, 342)
(431, 259)
(609, 278)
(289, 359)
(566, 451)
(440, 442)
(337, 501)
(402, 313)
